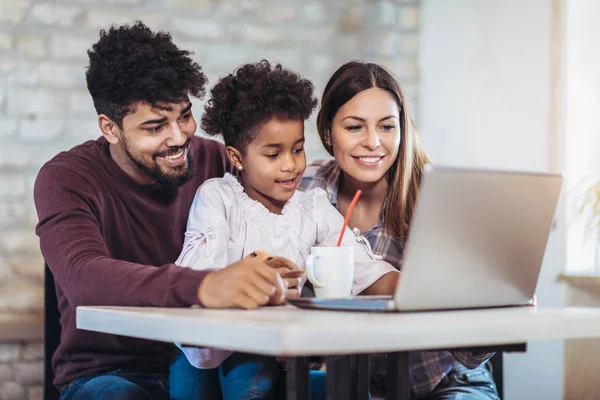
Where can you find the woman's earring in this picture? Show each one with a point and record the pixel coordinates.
(328, 140)
(240, 167)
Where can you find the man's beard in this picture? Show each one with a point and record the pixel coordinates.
(163, 182)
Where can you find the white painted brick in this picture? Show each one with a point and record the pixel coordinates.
(19, 241)
(281, 13)
(29, 102)
(41, 130)
(81, 130)
(12, 185)
(5, 41)
(32, 217)
(408, 44)
(19, 72)
(126, 2)
(32, 351)
(15, 155)
(29, 373)
(13, 213)
(81, 103)
(259, 34)
(6, 373)
(62, 15)
(12, 11)
(317, 38)
(321, 64)
(199, 28)
(404, 69)
(199, 50)
(30, 266)
(35, 393)
(32, 45)
(8, 126)
(314, 12)
(64, 46)
(226, 61)
(7, 278)
(380, 15)
(195, 7)
(289, 59)
(249, 5)
(408, 18)
(43, 154)
(104, 18)
(9, 352)
(12, 391)
(22, 298)
(61, 74)
(351, 19)
(392, 44)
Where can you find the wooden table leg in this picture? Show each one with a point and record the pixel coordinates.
(339, 374)
(298, 378)
(398, 376)
(360, 377)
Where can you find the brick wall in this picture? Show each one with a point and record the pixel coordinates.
(45, 108)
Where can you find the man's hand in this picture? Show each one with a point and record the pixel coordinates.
(249, 283)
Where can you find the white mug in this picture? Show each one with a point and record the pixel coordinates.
(331, 271)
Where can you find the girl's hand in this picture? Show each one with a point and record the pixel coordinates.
(292, 275)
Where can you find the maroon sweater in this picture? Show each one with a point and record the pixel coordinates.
(111, 241)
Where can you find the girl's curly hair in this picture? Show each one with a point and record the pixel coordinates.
(251, 96)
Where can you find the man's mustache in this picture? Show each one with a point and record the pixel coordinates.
(174, 150)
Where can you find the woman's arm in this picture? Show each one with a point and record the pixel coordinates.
(367, 271)
(385, 285)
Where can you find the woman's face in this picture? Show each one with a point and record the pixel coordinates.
(365, 134)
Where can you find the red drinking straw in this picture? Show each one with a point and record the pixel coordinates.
(348, 213)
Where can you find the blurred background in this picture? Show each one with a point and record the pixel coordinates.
(505, 84)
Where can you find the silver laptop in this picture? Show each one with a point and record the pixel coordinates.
(477, 239)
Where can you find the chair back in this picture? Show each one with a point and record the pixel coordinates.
(52, 331)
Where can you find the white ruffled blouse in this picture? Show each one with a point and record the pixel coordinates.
(225, 225)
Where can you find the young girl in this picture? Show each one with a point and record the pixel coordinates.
(260, 111)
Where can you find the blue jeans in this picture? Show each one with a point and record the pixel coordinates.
(118, 385)
(240, 376)
(476, 384)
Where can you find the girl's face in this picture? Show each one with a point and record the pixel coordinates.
(274, 163)
(365, 134)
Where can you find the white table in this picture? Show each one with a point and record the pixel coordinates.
(296, 333)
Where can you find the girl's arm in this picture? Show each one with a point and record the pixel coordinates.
(371, 276)
(207, 233)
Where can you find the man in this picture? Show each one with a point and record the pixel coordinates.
(112, 216)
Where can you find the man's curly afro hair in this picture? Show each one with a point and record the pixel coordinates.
(251, 96)
(131, 64)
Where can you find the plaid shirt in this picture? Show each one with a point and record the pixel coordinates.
(427, 368)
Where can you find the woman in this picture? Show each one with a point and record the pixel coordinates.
(364, 123)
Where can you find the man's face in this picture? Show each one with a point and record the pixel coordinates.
(156, 142)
